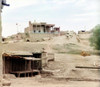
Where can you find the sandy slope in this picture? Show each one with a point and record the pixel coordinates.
(64, 64)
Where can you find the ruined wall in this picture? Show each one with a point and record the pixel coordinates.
(51, 56)
(84, 32)
(44, 59)
(84, 36)
(27, 30)
(38, 37)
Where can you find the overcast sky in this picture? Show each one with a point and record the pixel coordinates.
(66, 14)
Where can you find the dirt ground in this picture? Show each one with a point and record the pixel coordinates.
(63, 66)
(34, 82)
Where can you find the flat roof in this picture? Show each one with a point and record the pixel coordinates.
(43, 23)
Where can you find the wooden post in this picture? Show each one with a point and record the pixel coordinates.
(0, 29)
(29, 65)
(1, 61)
(0, 44)
(1, 67)
(25, 68)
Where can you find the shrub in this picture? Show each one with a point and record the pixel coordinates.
(95, 38)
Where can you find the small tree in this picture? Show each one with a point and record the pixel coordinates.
(95, 38)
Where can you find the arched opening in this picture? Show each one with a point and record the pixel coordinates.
(27, 40)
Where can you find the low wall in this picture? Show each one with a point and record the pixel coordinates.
(84, 36)
(39, 37)
(44, 61)
(47, 58)
(50, 56)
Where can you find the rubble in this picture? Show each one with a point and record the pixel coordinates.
(6, 82)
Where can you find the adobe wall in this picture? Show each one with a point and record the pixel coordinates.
(39, 37)
(84, 36)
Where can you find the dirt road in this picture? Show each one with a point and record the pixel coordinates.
(33, 82)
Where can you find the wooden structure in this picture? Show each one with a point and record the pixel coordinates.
(25, 64)
(21, 65)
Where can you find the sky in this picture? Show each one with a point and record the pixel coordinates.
(67, 14)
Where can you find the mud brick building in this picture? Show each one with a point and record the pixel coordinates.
(41, 27)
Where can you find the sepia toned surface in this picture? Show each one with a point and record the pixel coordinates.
(67, 51)
(45, 56)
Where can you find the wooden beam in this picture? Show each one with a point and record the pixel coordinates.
(87, 67)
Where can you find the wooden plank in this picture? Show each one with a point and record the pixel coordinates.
(86, 67)
(29, 65)
(26, 73)
(14, 72)
(25, 64)
(18, 53)
(3, 65)
(78, 79)
(32, 58)
(10, 65)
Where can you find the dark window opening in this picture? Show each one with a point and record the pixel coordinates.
(27, 40)
(83, 30)
(3, 39)
(34, 31)
(39, 31)
(37, 55)
(44, 30)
